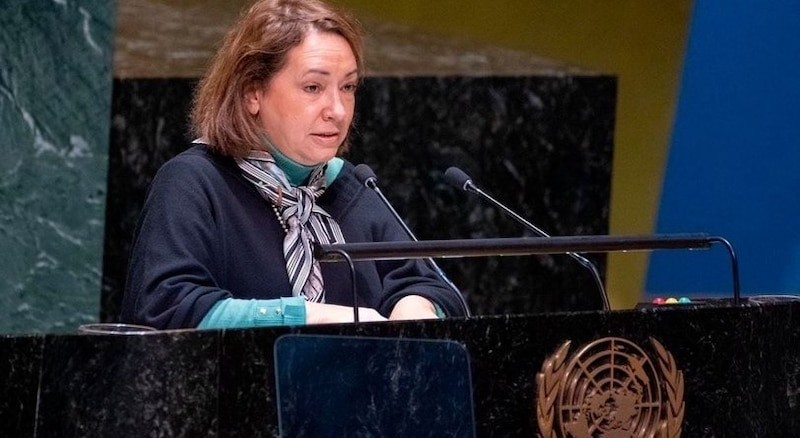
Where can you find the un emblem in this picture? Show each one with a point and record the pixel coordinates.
(610, 388)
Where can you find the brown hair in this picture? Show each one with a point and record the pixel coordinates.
(251, 54)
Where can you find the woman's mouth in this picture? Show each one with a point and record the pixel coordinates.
(327, 137)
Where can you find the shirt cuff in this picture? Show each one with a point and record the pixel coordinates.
(439, 312)
(294, 310)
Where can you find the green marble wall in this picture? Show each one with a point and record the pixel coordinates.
(55, 98)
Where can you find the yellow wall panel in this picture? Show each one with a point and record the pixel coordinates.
(642, 42)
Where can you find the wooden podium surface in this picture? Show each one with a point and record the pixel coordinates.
(711, 370)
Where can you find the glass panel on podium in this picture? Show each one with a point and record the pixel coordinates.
(358, 386)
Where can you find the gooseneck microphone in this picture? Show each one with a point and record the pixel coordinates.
(459, 179)
(367, 177)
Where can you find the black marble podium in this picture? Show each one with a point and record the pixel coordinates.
(740, 368)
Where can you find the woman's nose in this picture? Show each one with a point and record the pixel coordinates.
(335, 109)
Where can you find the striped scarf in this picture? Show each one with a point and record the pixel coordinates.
(305, 222)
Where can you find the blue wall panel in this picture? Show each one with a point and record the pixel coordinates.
(732, 168)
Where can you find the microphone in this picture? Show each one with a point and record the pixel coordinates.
(367, 177)
(457, 178)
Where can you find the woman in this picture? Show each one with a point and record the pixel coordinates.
(224, 236)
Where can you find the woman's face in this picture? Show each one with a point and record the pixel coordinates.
(307, 107)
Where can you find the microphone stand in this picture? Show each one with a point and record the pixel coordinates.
(343, 254)
(469, 186)
(370, 181)
(457, 178)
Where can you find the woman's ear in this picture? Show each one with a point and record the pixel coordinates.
(252, 99)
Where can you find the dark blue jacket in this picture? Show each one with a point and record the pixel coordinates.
(205, 234)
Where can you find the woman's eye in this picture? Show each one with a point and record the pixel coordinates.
(312, 88)
(350, 88)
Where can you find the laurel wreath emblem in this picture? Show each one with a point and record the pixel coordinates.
(550, 383)
(673, 383)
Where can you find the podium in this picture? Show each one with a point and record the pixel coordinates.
(737, 368)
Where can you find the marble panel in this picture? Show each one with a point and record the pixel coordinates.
(129, 385)
(740, 368)
(738, 379)
(148, 126)
(55, 94)
(247, 383)
(19, 383)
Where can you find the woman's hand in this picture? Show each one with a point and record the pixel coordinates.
(318, 313)
(413, 307)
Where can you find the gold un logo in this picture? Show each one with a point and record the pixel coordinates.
(610, 388)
